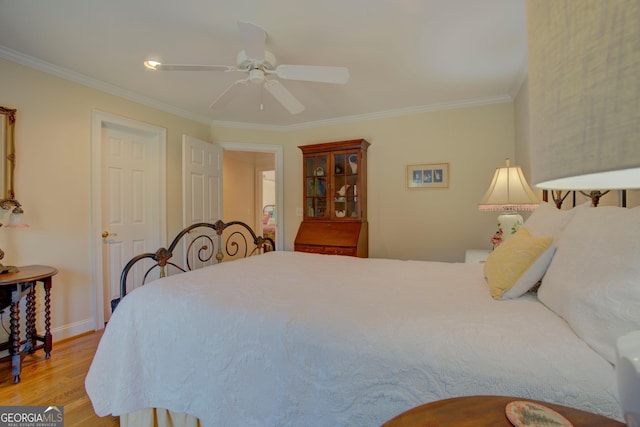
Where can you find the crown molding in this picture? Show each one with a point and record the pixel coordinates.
(464, 103)
(82, 79)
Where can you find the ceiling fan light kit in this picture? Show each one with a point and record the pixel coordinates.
(258, 63)
(245, 62)
(152, 65)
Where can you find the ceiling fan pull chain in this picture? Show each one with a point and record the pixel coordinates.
(261, 97)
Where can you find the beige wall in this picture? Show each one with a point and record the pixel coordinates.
(238, 187)
(426, 224)
(53, 178)
(410, 224)
(240, 191)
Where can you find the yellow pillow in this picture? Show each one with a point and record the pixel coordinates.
(509, 262)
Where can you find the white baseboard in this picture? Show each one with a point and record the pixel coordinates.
(61, 332)
(72, 329)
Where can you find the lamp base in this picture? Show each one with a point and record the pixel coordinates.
(508, 224)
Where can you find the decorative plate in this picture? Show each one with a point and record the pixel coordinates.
(529, 414)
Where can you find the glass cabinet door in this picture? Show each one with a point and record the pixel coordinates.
(345, 188)
(315, 191)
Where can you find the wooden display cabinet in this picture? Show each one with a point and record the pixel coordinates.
(334, 199)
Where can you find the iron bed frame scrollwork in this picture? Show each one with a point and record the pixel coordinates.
(240, 242)
(594, 195)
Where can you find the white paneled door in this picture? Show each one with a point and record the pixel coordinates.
(201, 186)
(131, 191)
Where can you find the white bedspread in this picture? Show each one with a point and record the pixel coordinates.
(295, 339)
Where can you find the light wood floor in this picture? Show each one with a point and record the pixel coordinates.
(58, 381)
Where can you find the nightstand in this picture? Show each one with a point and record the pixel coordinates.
(476, 255)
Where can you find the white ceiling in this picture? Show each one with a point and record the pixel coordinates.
(403, 55)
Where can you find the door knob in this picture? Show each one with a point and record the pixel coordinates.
(106, 234)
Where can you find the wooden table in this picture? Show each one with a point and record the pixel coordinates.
(485, 411)
(13, 286)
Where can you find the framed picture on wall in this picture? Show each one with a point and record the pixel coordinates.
(428, 175)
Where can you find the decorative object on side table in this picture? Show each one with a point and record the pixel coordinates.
(509, 193)
(530, 414)
(15, 221)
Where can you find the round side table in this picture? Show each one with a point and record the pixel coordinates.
(485, 411)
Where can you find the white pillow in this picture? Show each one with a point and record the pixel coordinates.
(593, 281)
(547, 220)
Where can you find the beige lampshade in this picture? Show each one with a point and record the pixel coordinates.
(584, 93)
(508, 191)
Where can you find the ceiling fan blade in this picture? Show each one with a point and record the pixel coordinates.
(229, 93)
(157, 66)
(282, 94)
(253, 40)
(313, 73)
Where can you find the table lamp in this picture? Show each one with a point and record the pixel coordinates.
(584, 116)
(15, 221)
(509, 193)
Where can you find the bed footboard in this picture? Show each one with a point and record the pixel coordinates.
(204, 244)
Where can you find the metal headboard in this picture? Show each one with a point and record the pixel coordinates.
(202, 247)
(594, 195)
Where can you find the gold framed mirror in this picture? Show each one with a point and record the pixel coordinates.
(7, 152)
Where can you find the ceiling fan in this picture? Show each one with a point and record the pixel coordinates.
(260, 67)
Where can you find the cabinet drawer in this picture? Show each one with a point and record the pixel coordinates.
(327, 250)
(336, 250)
(310, 249)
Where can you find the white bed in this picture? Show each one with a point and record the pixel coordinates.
(296, 339)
